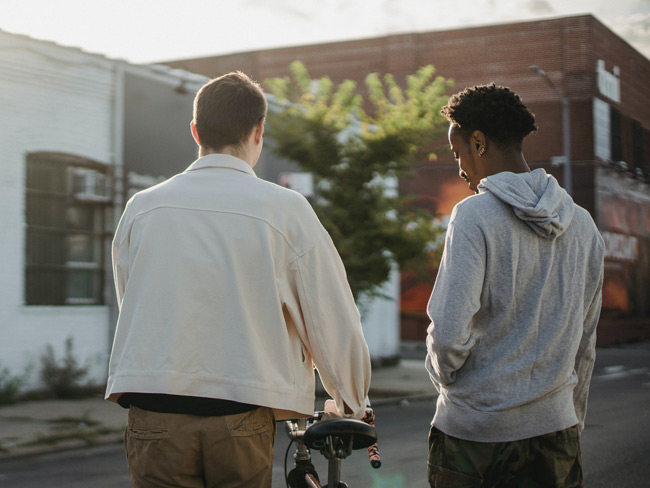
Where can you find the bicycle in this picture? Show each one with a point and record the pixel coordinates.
(335, 439)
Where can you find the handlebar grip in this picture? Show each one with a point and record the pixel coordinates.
(373, 451)
(373, 455)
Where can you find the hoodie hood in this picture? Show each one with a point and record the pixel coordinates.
(536, 198)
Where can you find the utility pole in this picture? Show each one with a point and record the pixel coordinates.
(566, 128)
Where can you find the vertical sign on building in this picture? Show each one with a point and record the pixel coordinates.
(602, 130)
(609, 87)
(609, 84)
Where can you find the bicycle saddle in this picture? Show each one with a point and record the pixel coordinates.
(362, 434)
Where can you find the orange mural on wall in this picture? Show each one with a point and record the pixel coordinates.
(623, 221)
(624, 218)
(616, 298)
(438, 191)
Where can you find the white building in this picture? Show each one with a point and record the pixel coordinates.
(70, 123)
(79, 134)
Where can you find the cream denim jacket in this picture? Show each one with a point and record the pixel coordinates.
(229, 287)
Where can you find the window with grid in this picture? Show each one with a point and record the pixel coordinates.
(637, 145)
(616, 136)
(66, 240)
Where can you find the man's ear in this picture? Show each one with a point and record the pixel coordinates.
(195, 134)
(258, 131)
(478, 140)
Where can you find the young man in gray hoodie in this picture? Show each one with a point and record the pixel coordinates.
(511, 344)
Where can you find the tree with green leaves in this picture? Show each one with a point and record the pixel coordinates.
(357, 148)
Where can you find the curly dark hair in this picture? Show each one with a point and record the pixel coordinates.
(494, 110)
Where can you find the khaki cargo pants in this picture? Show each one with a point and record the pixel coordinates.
(550, 460)
(188, 451)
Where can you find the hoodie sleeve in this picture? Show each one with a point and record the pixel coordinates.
(455, 299)
(586, 355)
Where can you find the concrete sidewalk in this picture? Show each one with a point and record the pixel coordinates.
(41, 426)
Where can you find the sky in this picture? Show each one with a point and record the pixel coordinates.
(149, 31)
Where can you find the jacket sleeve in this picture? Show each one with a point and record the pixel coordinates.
(586, 355)
(120, 259)
(332, 326)
(455, 299)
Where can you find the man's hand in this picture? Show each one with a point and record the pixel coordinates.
(330, 410)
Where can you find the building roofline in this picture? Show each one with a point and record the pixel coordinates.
(153, 69)
(390, 36)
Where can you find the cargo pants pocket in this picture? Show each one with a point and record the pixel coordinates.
(441, 470)
(254, 422)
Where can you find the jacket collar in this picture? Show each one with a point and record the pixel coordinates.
(225, 161)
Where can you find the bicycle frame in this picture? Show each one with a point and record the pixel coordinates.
(303, 474)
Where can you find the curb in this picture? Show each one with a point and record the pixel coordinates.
(403, 400)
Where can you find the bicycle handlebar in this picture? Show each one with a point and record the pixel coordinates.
(373, 451)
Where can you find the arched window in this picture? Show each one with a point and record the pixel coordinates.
(66, 237)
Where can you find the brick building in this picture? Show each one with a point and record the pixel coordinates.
(603, 78)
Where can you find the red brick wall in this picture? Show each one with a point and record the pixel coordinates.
(635, 72)
(566, 48)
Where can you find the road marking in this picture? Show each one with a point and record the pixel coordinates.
(614, 369)
(618, 372)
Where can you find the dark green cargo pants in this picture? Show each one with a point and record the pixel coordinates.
(550, 460)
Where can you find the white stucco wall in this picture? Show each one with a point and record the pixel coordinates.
(381, 318)
(381, 315)
(58, 99)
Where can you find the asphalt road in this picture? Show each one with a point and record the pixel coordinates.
(616, 441)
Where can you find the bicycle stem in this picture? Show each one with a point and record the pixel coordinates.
(302, 453)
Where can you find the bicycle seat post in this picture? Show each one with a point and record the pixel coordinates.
(337, 448)
(334, 471)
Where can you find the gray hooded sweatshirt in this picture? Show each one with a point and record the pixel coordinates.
(513, 312)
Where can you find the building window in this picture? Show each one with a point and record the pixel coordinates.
(66, 241)
(615, 134)
(637, 145)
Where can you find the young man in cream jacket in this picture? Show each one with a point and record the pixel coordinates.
(230, 292)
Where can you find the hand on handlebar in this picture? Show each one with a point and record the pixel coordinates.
(330, 410)
(373, 451)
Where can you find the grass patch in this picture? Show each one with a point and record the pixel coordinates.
(87, 436)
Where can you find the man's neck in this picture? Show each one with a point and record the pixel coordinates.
(229, 150)
(510, 160)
